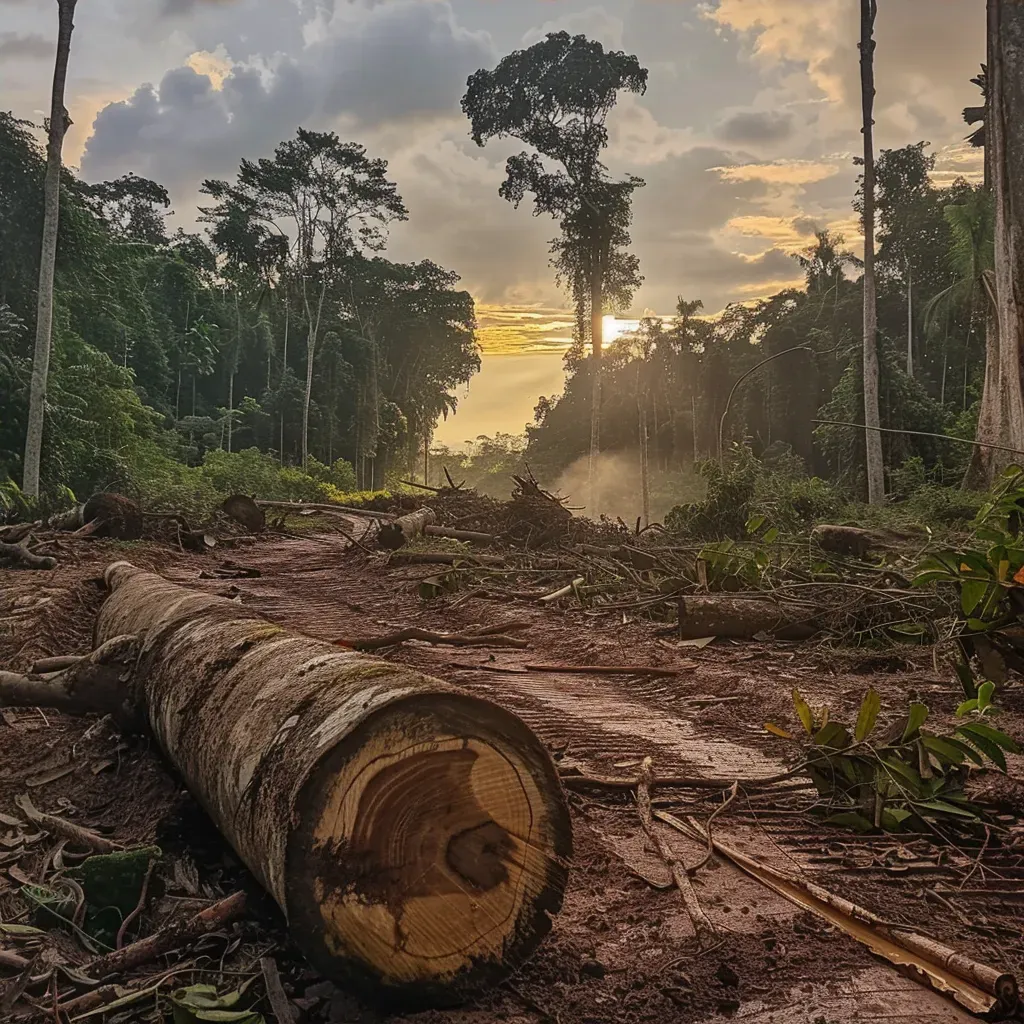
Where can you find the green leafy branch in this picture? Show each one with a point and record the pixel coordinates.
(903, 777)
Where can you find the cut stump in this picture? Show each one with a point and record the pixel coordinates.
(416, 837)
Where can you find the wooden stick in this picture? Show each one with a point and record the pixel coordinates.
(58, 664)
(12, 961)
(275, 991)
(66, 829)
(701, 922)
(563, 592)
(606, 670)
(470, 536)
(451, 639)
(444, 558)
(168, 938)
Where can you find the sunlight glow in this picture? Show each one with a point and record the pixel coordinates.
(614, 328)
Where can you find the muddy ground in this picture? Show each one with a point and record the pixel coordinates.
(623, 949)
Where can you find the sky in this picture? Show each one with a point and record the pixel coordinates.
(745, 136)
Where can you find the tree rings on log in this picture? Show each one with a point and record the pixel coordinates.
(416, 837)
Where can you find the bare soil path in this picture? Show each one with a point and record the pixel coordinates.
(622, 950)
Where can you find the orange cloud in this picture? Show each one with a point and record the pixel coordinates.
(780, 172)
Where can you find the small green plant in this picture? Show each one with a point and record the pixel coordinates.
(901, 778)
(981, 705)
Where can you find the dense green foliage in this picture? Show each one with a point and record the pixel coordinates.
(681, 373)
(180, 366)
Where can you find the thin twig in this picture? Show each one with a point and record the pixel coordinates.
(707, 828)
(119, 942)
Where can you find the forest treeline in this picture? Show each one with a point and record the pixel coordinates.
(675, 377)
(279, 332)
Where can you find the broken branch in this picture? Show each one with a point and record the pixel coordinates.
(701, 922)
(82, 837)
(19, 554)
(482, 639)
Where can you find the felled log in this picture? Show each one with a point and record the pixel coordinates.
(245, 511)
(17, 555)
(393, 536)
(416, 837)
(449, 558)
(743, 618)
(303, 506)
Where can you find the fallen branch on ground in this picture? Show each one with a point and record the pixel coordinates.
(681, 782)
(980, 989)
(563, 591)
(606, 670)
(283, 1010)
(744, 618)
(337, 510)
(19, 555)
(702, 925)
(169, 938)
(484, 638)
(444, 558)
(76, 834)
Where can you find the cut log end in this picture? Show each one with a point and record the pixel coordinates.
(437, 851)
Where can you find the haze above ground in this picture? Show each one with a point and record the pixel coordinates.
(746, 135)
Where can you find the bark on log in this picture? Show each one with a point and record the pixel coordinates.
(393, 536)
(416, 837)
(743, 618)
(19, 555)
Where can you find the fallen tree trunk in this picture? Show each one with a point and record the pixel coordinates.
(341, 510)
(393, 536)
(19, 555)
(416, 837)
(470, 536)
(744, 618)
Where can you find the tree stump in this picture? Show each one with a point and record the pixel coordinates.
(416, 837)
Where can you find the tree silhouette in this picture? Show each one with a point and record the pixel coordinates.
(556, 97)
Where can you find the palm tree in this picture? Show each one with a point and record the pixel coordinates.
(971, 259)
(57, 129)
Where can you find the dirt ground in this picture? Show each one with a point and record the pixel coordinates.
(623, 949)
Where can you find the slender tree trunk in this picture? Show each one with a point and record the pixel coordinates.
(872, 420)
(1001, 418)
(645, 469)
(311, 340)
(284, 370)
(596, 341)
(910, 321)
(59, 123)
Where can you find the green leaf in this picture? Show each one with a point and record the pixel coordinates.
(754, 523)
(944, 750)
(966, 677)
(943, 807)
(893, 818)
(868, 715)
(851, 819)
(198, 1004)
(967, 707)
(991, 750)
(965, 749)
(916, 718)
(985, 692)
(972, 593)
(771, 536)
(905, 776)
(803, 711)
(990, 536)
(994, 735)
(777, 730)
(832, 735)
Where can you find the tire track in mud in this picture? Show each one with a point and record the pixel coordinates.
(312, 585)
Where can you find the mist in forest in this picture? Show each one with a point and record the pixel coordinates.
(620, 494)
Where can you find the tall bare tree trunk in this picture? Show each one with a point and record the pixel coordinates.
(910, 320)
(59, 124)
(311, 340)
(1001, 420)
(596, 340)
(872, 420)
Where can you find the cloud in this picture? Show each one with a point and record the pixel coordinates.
(368, 65)
(780, 172)
(28, 46)
(751, 127)
(594, 23)
(174, 7)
